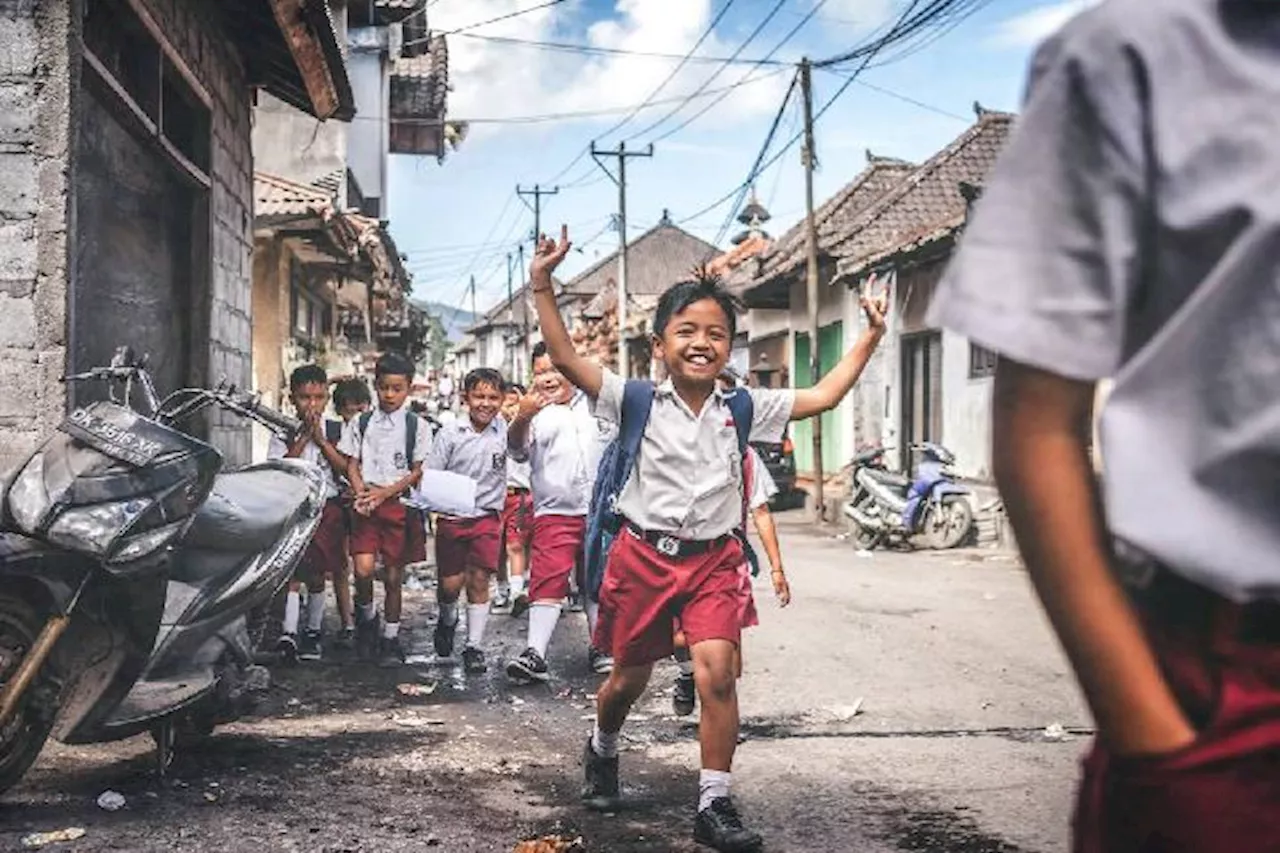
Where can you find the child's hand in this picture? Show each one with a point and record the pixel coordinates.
(547, 257)
(530, 405)
(875, 304)
(781, 589)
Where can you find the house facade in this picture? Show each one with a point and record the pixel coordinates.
(126, 197)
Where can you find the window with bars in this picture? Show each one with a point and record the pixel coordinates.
(982, 362)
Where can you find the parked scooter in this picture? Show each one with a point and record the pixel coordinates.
(134, 577)
(930, 508)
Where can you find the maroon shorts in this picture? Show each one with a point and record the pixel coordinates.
(394, 531)
(517, 518)
(463, 543)
(326, 554)
(644, 593)
(555, 551)
(1220, 794)
(748, 617)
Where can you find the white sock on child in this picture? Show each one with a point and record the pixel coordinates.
(517, 584)
(292, 606)
(390, 630)
(712, 784)
(604, 744)
(368, 611)
(448, 613)
(315, 611)
(504, 588)
(477, 617)
(542, 624)
(592, 609)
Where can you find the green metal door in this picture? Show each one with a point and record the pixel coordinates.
(830, 351)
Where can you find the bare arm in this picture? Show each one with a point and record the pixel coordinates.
(769, 539)
(827, 393)
(518, 430)
(1040, 434)
(578, 370)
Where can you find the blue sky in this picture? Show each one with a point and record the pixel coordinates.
(462, 217)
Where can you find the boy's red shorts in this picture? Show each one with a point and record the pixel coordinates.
(644, 593)
(517, 517)
(463, 543)
(748, 616)
(326, 554)
(1221, 794)
(394, 531)
(555, 551)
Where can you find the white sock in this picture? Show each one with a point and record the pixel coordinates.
(477, 617)
(292, 605)
(504, 588)
(542, 624)
(390, 630)
(449, 613)
(604, 744)
(368, 611)
(685, 666)
(592, 609)
(712, 784)
(315, 611)
(517, 584)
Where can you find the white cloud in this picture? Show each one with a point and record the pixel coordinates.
(1030, 28)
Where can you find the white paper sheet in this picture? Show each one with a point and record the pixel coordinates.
(446, 492)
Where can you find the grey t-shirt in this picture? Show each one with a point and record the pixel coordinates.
(1131, 229)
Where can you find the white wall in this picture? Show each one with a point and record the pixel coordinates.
(966, 410)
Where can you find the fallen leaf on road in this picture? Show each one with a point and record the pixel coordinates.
(416, 690)
(40, 839)
(549, 844)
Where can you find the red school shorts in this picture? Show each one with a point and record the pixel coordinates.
(463, 543)
(393, 531)
(644, 594)
(517, 518)
(1220, 794)
(555, 551)
(326, 554)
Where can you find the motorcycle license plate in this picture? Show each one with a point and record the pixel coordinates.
(112, 437)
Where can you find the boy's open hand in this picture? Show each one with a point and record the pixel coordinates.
(781, 589)
(875, 304)
(531, 404)
(548, 256)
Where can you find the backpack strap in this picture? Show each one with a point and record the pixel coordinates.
(742, 407)
(410, 437)
(333, 431)
(637, 403)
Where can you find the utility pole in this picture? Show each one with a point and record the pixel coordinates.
(537, 192)
(511, 322)
(808, 158)
(624, 369)
(527, 349)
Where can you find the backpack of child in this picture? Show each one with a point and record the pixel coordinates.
(618, 462)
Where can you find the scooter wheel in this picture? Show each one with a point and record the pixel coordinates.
(24, 737)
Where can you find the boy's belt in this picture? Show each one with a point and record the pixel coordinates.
(673, 547)
(517, 490)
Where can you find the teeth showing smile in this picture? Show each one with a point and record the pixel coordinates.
(700, 359)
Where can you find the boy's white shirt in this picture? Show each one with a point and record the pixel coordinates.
(482, 456)
(277, 449)
(381, 449)
(562, 449)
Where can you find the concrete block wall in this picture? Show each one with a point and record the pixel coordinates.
(35, 109)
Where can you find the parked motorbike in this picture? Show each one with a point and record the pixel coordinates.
(135, 575)
(929, 508)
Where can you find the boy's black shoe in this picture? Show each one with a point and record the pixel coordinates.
(574, 602)
(528, 668)
(685, 697)
(720, 827)
(390, 652)
(473, 661)
(309, 647)
(287, 649)
(346, 639)
(501, 601)
(600, 663)
(599, 781)
(367, 631)
(443, 639)
(519, 604)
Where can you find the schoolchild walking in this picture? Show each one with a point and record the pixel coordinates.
(467, 545)
(678, 553)
(385, 449)
(325, 554)
(351, 399)
(517, 521)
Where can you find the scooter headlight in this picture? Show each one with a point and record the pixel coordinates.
(28, 498)
(137, 547)
(92, 529)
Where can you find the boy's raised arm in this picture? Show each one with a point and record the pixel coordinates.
(578, 370)
(833, 387)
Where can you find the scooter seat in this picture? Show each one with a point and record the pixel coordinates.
(248, 511)
(889, 478)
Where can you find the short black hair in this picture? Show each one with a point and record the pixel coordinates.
(539, 351)
(393, 364)
(351, 392)
(483, 376)
(681, 295)
(516, 387)
(308, 374)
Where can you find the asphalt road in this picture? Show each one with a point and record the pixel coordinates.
(900, 704)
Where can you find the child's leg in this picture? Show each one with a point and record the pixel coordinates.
(393, 576)
(613, 702)
(365, 565)
(477, 584)
(342, 592)
(315, 603)
(714, 674)
(292, 608)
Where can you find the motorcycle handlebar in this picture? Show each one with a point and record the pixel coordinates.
(279, 420)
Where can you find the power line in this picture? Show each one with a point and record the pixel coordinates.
(478, 24)
(596, 50)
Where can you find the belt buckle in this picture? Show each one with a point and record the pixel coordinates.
(667, 545)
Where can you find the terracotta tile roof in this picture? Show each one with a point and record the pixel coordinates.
(419, 100)
(927, 200)
(657, 259)
(724, 265)
(274, 196)
(332, 182)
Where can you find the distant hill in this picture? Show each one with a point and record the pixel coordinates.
(455, 320)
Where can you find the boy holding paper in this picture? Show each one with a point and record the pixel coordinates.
(467, 543)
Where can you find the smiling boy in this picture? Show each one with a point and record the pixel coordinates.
(690, 438)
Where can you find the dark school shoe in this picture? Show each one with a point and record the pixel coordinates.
(685, 697)
(528, 668)
(599, 781)
(473, 662)
(719, 826)
(287, 649)
(442, 638)
(309, 646)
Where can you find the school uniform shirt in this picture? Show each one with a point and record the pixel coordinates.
(763, 488)
(605, 432)
(688, 478)
(561, 445)
(277, 449)
(381, 450)
(1123, 235)
(518, 474)
(482, 456)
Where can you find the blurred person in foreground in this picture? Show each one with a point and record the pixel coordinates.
(1131, 230)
